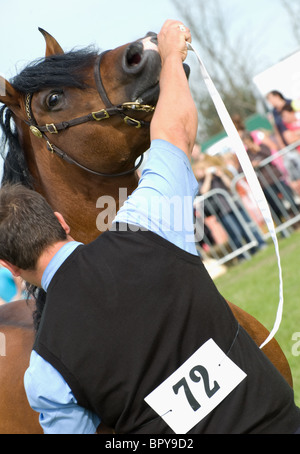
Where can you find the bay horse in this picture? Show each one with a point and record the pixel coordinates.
(75, 123)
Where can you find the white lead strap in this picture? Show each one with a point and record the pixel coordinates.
(251, 177)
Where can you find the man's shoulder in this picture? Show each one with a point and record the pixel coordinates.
(170, 148)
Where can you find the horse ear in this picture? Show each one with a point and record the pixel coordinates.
(10, 96)
(52, 46)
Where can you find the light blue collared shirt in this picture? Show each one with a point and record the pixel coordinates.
(47, 391)
(57, 261)
(163, 203)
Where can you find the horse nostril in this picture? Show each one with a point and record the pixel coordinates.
(134, 55)
(134, 59)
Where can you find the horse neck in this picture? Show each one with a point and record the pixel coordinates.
(87, 202)
(91, 211)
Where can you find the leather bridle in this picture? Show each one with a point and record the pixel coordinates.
(103, 114)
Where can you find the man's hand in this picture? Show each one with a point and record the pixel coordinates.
(172, 40)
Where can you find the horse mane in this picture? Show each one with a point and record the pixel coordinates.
(38, 295)
(65, 70)
(15, 169)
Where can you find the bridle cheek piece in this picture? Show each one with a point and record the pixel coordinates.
(103, 114)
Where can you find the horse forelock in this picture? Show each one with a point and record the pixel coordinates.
(67, 70)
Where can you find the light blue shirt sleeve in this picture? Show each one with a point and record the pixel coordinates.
(51, 397)
(163, 201)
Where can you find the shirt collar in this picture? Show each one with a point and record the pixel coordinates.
(57, 261)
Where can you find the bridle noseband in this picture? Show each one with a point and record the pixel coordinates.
(103, 114)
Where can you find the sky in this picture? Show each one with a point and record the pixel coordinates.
(110, 23)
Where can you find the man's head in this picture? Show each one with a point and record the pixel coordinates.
(276, 99)
(28, 227)
(288, 113)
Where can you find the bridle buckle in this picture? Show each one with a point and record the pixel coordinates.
(103, 114)
(50, 147)
(132, 122)
(138, 106)
(51, 128)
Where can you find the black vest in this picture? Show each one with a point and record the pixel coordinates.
(124, 312)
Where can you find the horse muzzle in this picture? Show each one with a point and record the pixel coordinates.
(142, 61)
(137, 54)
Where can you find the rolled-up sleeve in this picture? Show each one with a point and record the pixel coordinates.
(163, 201)
(50, 396)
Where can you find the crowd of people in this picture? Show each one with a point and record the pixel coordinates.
(280, 179)
(213, 173)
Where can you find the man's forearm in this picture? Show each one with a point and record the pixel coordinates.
(175, 118)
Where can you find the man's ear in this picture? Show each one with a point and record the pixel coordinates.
(62, 222)
(15, 271)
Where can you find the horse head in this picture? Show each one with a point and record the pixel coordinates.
(81, 119)
(64, 87)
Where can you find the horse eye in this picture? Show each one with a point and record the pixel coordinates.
(53, 99)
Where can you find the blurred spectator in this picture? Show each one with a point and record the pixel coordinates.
(11, 288)
(241, 186)
(196, 153)
(261, 138)
(277, 100)
(291, 120)
(231, 162)
(258, 136)
(272, 181)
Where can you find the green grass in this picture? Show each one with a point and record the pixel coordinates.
(254, 286)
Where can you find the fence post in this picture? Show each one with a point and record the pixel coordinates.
(212, 202)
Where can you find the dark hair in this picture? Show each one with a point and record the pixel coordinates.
(66, 70)
(287, 107)
(238, 122)
(15, 169)
(276, 93)
(247, 136)
(28, 226)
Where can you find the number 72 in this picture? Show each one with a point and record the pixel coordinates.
(196, 378)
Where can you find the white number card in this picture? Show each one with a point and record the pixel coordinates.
(196, 388)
